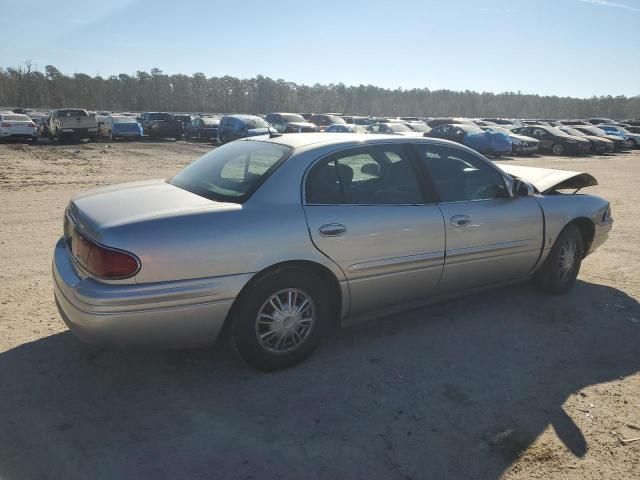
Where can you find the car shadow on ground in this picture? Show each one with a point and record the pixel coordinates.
(455, 390)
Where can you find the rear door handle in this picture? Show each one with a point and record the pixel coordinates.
(460, 220)
(332, 230)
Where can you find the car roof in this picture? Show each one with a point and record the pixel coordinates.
(321, 139)
(242, 116)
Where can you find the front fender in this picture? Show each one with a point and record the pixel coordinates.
(560, 210)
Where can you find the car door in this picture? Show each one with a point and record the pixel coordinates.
(366, 211)
(490, 237)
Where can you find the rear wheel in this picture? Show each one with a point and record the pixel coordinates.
(279, 321)
(557, 149)
(560, 269)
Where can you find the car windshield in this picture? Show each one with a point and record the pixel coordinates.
(292, 117)
(418, 127)
(338, 120)
(574, 132)
(160, 116)
(470, 128)
(232, 172)
(594, 130)
(255, 122)
(16, 118)
(499, 129)
(124, 120)
(398, 127)
(211, 121)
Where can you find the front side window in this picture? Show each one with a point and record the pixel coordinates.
(378, 175)
(233, 171)
(460, 176)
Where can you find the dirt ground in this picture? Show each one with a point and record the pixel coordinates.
(508, 384)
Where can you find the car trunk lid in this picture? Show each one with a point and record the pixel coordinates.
(104, 208)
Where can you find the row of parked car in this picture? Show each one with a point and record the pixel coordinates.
(489, 136)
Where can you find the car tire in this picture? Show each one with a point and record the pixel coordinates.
(560, 270)
(557, 149)
(265, 336)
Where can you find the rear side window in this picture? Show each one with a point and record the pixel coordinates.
(460, 176)
(380, 175)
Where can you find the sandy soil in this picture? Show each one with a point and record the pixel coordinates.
(510, 384)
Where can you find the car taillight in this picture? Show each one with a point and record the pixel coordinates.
(6, 125)
(32, 125)
(102, 261)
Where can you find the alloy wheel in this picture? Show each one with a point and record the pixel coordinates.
(285, 321)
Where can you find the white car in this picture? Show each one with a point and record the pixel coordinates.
(15, 125)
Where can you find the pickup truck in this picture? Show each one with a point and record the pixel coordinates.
(72, 124)
(160, 125)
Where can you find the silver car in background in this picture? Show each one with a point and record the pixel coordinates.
(277, 238)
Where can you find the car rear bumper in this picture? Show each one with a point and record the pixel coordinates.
(184, 313)
(10, 135)
(79, 132)
(126, 134)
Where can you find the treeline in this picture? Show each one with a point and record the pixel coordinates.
(25, 86)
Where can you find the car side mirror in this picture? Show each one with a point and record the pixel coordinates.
(522, 189)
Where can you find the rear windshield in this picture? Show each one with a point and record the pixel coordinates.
(292, 117)
(72, 113)
(232, 173)
(124, 120)
(160, 116)
(16, 118)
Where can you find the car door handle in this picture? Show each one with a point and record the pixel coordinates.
(460, 220)
(332, 230)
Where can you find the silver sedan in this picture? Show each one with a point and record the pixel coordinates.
(277, 238)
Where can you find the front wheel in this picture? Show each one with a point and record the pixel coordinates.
(557, 149)
(280, 319)
(560, 269)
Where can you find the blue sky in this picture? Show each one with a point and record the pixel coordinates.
(563, 47)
